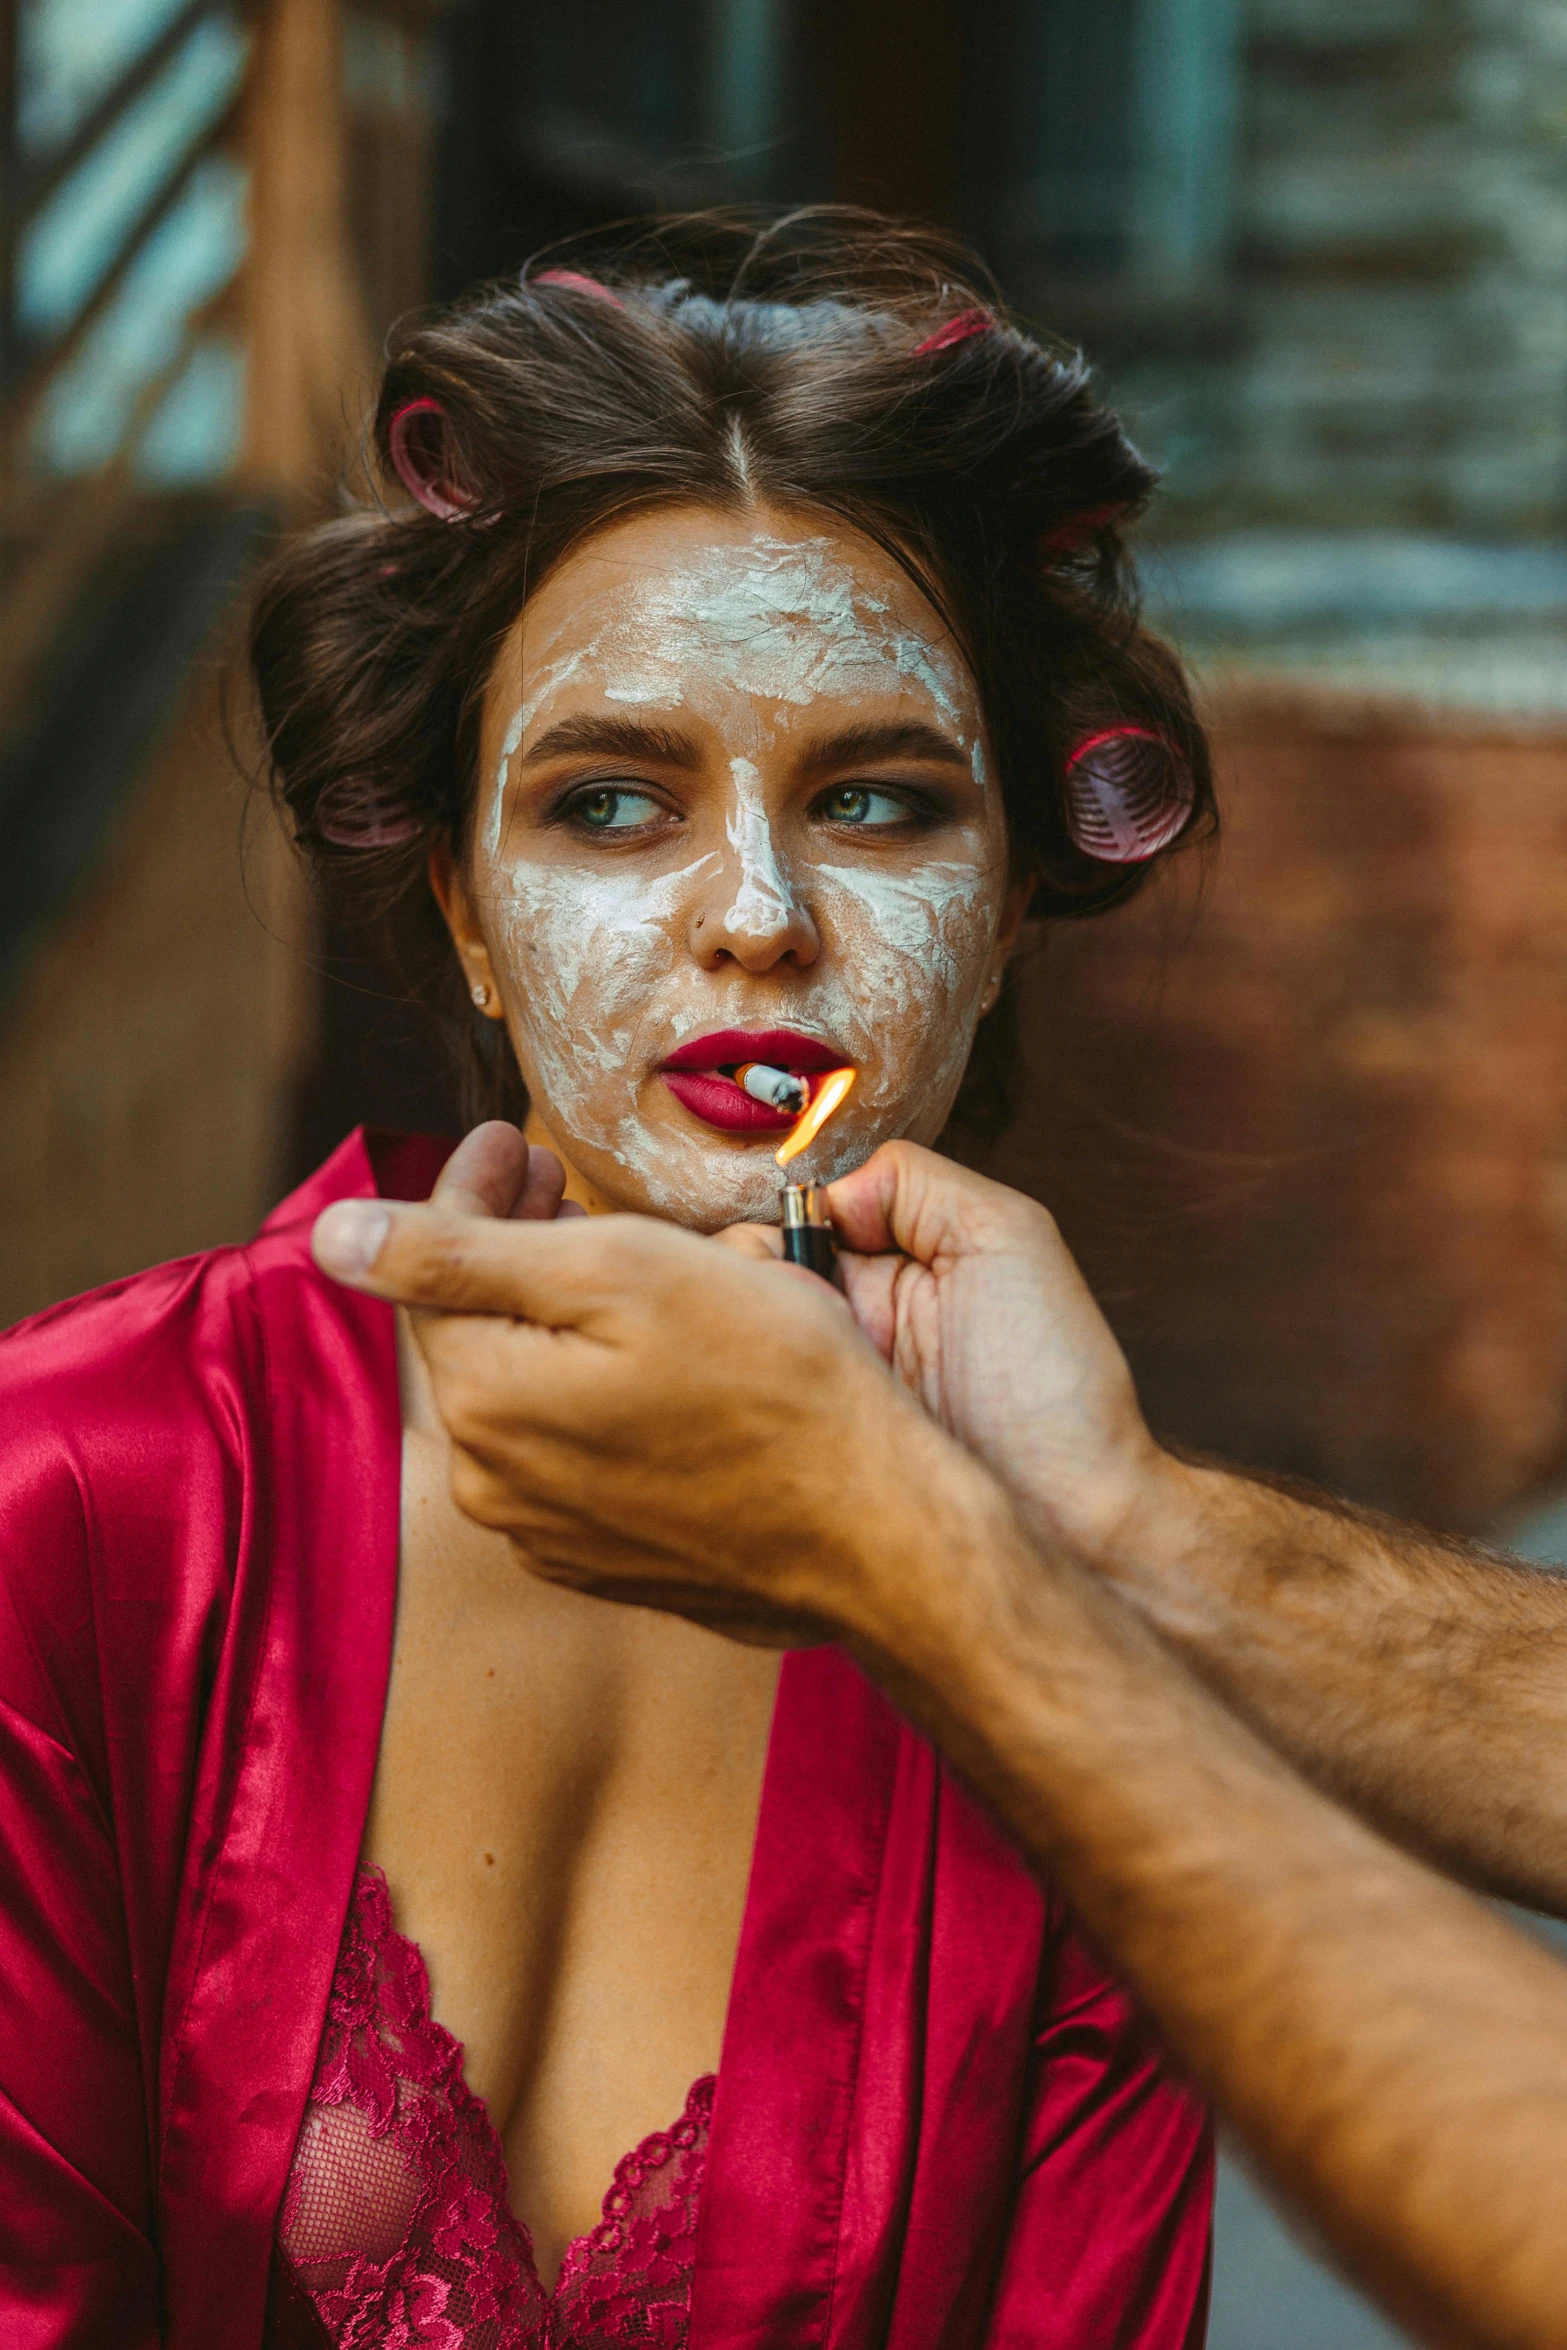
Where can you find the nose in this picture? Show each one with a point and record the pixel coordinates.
(751, 911)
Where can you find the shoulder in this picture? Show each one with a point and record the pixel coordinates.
(119, 1422)
(103, 1394)
(136, 1422)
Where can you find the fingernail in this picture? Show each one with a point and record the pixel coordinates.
(348, 1236)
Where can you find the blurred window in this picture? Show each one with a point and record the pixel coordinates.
(1103, 146)
(132, 229)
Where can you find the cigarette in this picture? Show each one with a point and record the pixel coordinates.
(776, 1087)
(807, 1228)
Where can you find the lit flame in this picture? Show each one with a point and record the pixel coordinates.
(824, 1100)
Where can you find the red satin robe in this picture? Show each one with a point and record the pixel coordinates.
(938, 2122)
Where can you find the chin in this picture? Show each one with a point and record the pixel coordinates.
(723, 1187)
(705, 1185)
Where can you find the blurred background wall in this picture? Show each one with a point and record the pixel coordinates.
(1302, 1110)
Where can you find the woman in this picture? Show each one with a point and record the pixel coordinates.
(743, 659)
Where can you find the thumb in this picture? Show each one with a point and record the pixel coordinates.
(559, 1275)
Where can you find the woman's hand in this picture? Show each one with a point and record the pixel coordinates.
(968, 1291)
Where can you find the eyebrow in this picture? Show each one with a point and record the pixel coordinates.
(615, 738)
(912, 740)
(633, 738)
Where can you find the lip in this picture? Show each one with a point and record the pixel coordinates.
(780, 1048)
(691, 1074)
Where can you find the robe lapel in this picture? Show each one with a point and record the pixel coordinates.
(768, 2245)
(876, 2061)
(293, 1726)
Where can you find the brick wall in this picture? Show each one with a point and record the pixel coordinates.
(1305, 1116)
(1401, 267)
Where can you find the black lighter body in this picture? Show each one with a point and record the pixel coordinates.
(807, 1229)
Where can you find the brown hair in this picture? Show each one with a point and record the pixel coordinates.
(736, 363)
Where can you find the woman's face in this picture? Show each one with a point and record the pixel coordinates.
(734, 805)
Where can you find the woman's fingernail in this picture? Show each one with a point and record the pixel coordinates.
(348, 1236)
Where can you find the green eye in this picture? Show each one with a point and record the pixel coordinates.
(857, 803)
(615, 808)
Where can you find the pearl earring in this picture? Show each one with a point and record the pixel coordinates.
(480, 993)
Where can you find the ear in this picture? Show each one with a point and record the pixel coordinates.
(1014, 908)
(457, 911)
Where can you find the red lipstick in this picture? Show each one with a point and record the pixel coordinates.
(700, 1075)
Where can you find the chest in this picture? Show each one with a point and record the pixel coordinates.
(564, 1805)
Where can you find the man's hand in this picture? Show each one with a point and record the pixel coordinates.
(495, 1172)
(1418, 1680)
(649, 1415)
(968, 1291)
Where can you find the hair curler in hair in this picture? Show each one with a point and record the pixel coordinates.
(1128, 795)
(574, 279)
(416, 453)
(957, 330)
(1076, 531)
(356, 812)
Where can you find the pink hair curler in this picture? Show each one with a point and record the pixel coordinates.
(416, 454)
(957, 330)
(1076, 531)
(354, 812)
(574, 279)
(1128, 795)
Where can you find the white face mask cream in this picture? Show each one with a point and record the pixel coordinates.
(680, 835)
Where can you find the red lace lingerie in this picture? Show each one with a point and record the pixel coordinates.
(396, 2226)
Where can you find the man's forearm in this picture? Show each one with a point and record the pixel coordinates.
(1395, 2055)
(1423, 1681)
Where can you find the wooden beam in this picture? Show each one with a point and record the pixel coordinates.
(310, 366)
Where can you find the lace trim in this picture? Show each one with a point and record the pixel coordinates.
(630, 2280)
(396, 2219)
